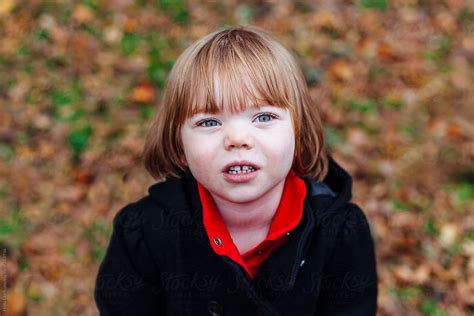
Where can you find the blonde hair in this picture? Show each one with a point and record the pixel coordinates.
(237, 67)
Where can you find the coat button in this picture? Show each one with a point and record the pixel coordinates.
(214, 308)
(218, 241)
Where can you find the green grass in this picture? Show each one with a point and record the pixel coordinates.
(158, 68)
(42, 35)
(177, 9)
(146, 111)
(413, 294)
(13, 228)
(23, 51)
(406, 293)
(55, 62)
(398, 206)
(98, 235)
(246, 13)
(129, 43)
(381, 5)
(394, 103)
(461, 193)
(431, 228)
(91, 4)
(90, 29)
(365, 106)
(464, 192)
(430, 308)
(66, 102)
(79, 139)
(6, 152)
(438, 55)
(332, 136)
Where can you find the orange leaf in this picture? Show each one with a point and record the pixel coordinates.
(144, 93)
(16, 303)
(83, 14)
(341, 70)
(455, 131)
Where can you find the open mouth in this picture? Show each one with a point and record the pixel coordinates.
(241, 169)
(240, 172)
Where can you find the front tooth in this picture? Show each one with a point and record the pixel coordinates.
(241, 169)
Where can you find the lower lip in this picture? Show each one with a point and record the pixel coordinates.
(240, 177)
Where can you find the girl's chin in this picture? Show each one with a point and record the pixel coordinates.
(239, 196)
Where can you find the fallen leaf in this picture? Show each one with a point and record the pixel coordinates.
(83, 14)
(386, 52)
(449, 234)
(16, 303)
(6, 7)
(143, 93)
(341, 69)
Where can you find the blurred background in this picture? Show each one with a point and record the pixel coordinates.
(81, 79)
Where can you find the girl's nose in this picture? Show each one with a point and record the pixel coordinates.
(238, 138)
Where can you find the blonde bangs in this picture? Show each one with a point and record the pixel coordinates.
(235, 72)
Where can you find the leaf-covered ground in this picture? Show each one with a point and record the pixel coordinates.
(81, 79)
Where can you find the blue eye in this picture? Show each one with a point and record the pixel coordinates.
(208, 123)
(265, 117)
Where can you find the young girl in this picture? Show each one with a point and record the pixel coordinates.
(253, 217)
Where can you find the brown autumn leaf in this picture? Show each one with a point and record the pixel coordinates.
(341, 69)
(385, 51)
(52, 266)
(468, 46)
(131, 25)
(43, 242)
(83, 176)
(83, 14)
(455, 130)
(408, 275)
(143, 93)
(13, 270)
(358, 137)
(16, 302)
(325, 19)
(6, 7)
(414, 74)
(70, 194)
(367, 47)
(82, 48)
(446, 21)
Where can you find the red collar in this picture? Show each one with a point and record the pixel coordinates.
(287, 217)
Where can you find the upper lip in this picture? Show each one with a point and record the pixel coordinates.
(240, 163)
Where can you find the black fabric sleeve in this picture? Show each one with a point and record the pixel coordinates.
(127, 281)
(349, 286)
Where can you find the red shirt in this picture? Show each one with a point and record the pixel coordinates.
(287, 217)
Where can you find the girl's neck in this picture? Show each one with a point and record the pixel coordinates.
(251, 216)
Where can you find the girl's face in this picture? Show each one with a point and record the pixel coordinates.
(240, 157)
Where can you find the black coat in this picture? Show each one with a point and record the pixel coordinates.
(160, 262)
